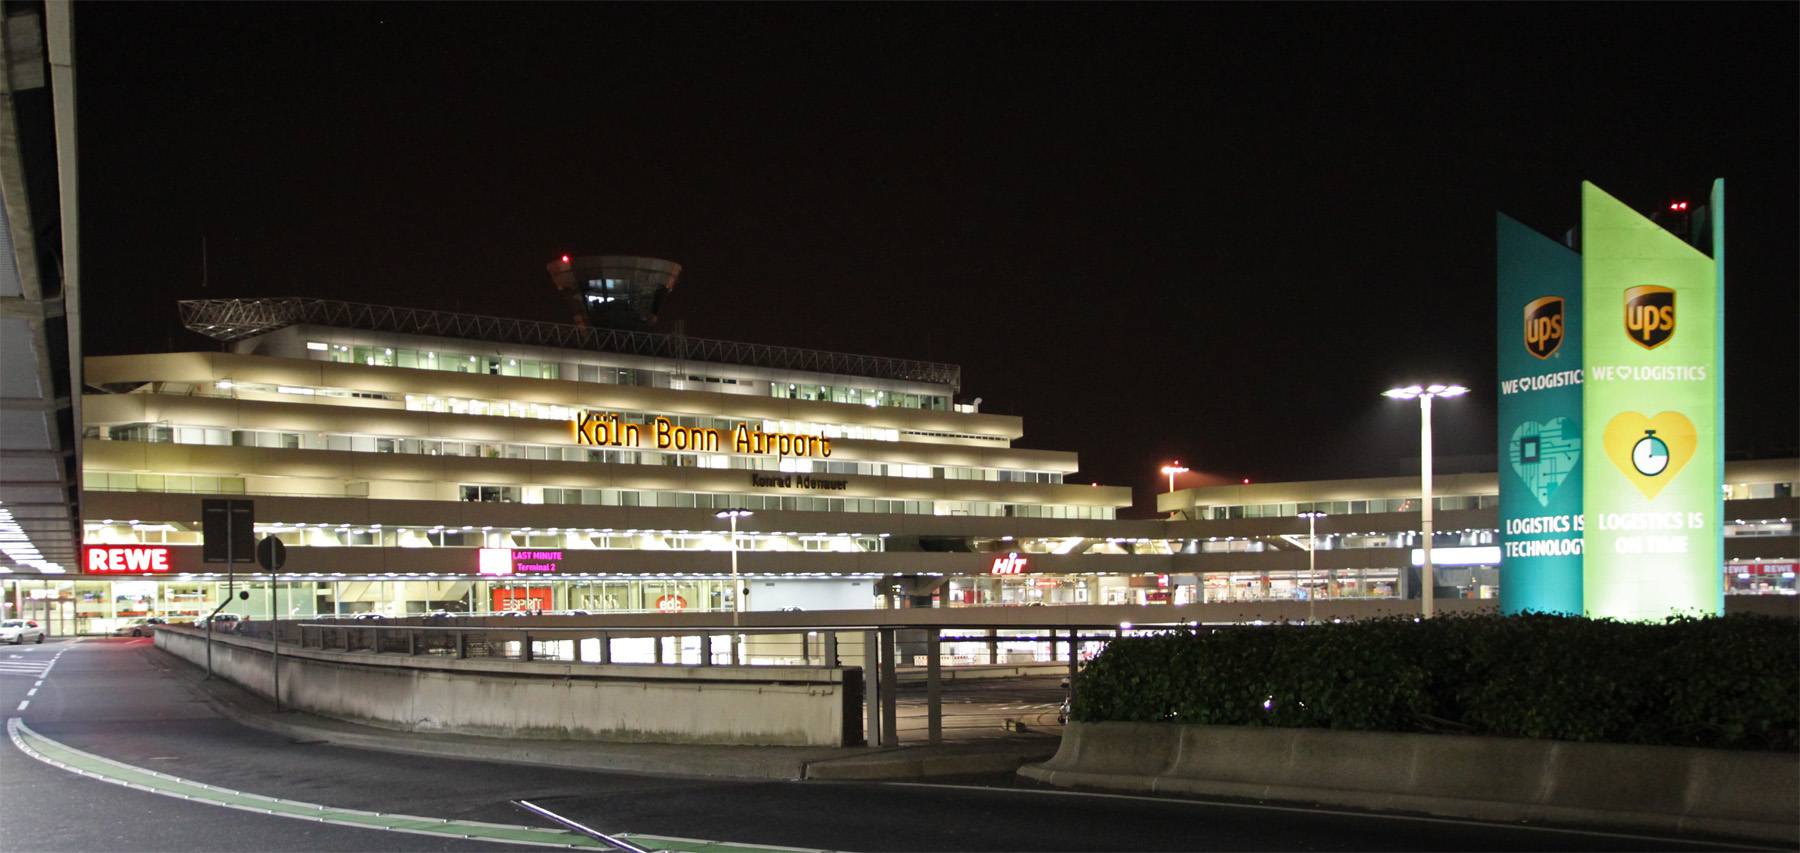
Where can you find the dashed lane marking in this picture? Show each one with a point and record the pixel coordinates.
(137, 778)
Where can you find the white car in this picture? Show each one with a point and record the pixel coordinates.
(18, 631)
(222, 622)
(143, 627)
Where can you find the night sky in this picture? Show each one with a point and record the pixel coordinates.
(1212, 233)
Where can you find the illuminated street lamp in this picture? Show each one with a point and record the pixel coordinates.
(1424, 395)
(1172, 469)
(1312, 561)
(737, 592)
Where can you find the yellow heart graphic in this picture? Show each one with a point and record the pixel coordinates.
(1650, 451)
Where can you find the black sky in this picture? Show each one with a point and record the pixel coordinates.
(1205, 232)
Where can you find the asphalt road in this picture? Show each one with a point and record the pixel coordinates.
(112, 709)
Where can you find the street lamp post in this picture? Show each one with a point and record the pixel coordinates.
(1424, 395)
(1172, 469)
(1312, 561)
(737, 593)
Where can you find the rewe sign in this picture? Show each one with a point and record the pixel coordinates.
(125, 559)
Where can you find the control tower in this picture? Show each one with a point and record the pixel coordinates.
(614, 291)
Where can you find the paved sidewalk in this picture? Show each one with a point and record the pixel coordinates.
(745, 762)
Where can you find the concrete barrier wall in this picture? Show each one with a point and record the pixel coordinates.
(787, 706)
(1664, 789)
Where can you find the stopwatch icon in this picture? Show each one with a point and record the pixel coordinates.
(1650, 456)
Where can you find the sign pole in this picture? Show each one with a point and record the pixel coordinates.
(272, 554)
(275, 630)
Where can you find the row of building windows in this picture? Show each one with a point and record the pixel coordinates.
(859, 396)
(457, 362)
(280, 440)
(799, 503)
(375, 536)
(1746, 491)
(1287, 510)
(454, 362)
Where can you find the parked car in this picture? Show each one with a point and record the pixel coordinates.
(222, 622)
(142, 627)
(18, 631)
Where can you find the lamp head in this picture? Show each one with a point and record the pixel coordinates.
(1412, 392)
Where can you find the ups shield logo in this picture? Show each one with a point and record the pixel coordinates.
(1649, 315)
(1544, 326)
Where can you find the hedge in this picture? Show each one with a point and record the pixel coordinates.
(1723, 682)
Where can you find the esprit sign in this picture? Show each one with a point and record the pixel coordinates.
(508, 600)
(603, 430)
(126, 559)
(1011, 564)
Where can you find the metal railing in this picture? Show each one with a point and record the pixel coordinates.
(237, 319)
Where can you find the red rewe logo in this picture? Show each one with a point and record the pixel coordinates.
(126, 559)
(1011, 564)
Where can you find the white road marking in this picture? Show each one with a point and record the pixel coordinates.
(137, 778)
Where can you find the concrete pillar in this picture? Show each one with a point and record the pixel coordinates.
(1074, 658)
(934, 689)
(890, 685)
(872, 688)
(706, 649)
(525, 646)
(659, 648)
(831, 649)
(993, 647)
(605, 648)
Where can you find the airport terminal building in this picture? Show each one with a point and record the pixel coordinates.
(419, 461)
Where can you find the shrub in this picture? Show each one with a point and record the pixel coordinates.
(1723, 682)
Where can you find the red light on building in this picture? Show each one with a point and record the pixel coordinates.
(565, 259)
(125, 559)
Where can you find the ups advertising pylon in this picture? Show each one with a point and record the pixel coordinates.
(1610, 474)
